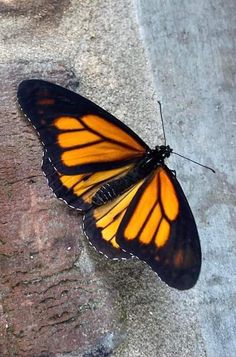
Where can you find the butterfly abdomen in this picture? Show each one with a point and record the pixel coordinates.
(109, 191)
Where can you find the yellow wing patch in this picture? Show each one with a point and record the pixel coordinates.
(109, 216)
(142, 210)
(151, 226)
(86, 185)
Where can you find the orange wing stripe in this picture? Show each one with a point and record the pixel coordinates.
(142, 210)
(100, 152)
(151, 225)
(111, 131)
(67, 123)
(76, 138)
(92, 139)
(169, 199)
(162, 233)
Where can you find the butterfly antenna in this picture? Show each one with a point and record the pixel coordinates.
(195, 162)
(162, 122)
(173, 152)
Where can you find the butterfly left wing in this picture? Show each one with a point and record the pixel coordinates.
(159, 228)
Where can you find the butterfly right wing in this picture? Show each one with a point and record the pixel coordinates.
(159, 228)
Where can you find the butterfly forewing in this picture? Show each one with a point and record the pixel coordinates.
(79, 137)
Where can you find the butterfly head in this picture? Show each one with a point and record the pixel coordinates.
(162, 152)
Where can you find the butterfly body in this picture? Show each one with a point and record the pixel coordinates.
(132, 203)
(112, 189)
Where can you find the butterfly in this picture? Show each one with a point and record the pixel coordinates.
(132, 203)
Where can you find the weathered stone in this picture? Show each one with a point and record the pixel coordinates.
(48, 304)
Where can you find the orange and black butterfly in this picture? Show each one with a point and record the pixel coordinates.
(132, 203)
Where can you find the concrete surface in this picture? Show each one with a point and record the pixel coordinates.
(58, 297)
(191, 49)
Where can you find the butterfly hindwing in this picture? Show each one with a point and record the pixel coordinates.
(79, 136)
(77, 190)
(159, 228)
(101, 223)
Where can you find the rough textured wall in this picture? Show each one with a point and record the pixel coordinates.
(58, 296)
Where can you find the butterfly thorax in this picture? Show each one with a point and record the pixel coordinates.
(110, 190)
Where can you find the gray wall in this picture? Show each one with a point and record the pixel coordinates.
(191, 49)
